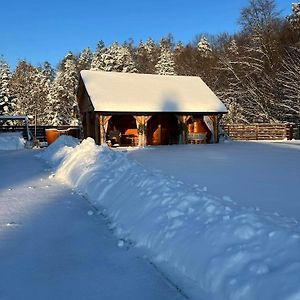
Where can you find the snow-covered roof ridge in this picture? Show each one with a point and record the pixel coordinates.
(133, 92)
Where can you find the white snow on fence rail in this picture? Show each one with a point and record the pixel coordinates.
(227, 251)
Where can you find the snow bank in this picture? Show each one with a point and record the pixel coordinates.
(11, 141)
(57, 151)
(229, 252)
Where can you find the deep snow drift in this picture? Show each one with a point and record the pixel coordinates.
(11, 141)
(222, 250)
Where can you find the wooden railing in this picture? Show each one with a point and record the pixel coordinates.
(259, 131)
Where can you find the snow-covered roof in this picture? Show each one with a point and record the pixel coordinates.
(129, 92)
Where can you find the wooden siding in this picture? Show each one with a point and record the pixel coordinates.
(260, 131)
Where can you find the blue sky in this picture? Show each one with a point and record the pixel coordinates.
(38, 30)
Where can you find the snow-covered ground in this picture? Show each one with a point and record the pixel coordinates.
(54, 245)
(210, 246)
(11, 141)
(179, 208)
(255, 174)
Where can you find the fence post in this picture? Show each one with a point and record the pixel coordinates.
(290, 132)
(256, 132)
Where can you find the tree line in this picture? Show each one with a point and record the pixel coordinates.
(255, 72)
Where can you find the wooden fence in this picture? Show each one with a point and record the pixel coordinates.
(261, 131)
(40, 130)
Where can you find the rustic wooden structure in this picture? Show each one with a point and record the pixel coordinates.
(259, 131)
(143, 109)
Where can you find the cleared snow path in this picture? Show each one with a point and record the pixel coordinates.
(53, 245)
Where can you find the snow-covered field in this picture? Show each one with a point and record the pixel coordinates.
(210, 246)
(209, 217)
(254, 174)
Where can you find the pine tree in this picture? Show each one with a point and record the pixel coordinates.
(62, 95)
(118, 59)
(110, 58)
(142, 58)
(68, 56)
(47, 71)
(147, 56)
(85, 60)
(152, 50)
(127, 61)
(7, 100)
(166, 63)
(97, 60)
(46, 79)
(204, 47)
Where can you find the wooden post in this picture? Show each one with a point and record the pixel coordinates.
(101, 131)
(289, 131)
(159, 134)
(215, 119)
(216, 122)
(88, 124)
(103, 120)
(35, 125)
(97, 128)
(138, 124)
(142, 123)
(183, 120)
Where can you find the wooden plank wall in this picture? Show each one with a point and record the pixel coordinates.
(261, 131)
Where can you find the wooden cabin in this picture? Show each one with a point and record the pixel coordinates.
(129, 109)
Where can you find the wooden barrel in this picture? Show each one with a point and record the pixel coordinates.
(200, 127)
(197, 127)
(52, 135)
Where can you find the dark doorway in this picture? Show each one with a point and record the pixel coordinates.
(162, 129)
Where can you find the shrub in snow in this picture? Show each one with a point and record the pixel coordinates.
(226, 251)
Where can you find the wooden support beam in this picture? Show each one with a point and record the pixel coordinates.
(142, 123)
(97, 129)
(88, 124)
(212, 124)
(103, 122)
(183, 119)
(216, 120)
